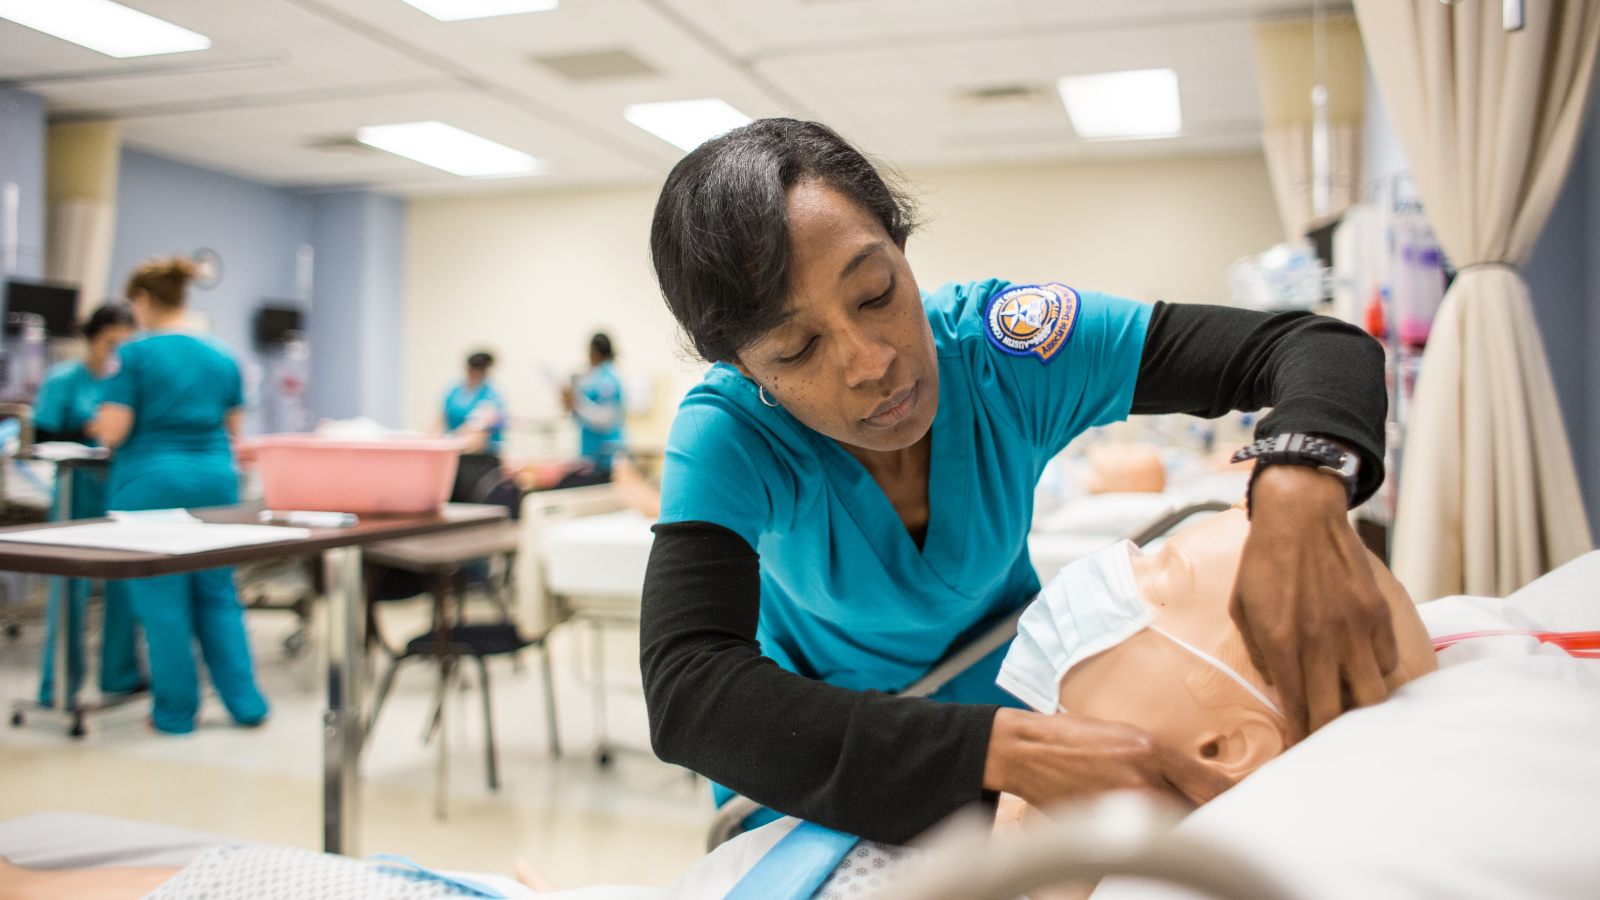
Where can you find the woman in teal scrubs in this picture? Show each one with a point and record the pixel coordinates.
(473, 408)
(65, 411)
(170, 412)
(847, 495)
(595, 401)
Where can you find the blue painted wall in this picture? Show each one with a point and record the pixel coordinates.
(357, 319)
(22, 142)
(1589, 462)
(166, 207)
(1564, 276)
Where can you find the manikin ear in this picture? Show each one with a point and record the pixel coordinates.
(1244, 744)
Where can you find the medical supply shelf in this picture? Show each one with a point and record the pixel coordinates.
(341, 549)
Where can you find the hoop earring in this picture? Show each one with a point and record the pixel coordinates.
(762, 393)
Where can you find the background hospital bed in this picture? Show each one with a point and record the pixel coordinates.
(731, 816)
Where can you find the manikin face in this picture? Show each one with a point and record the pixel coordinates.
(855, 359)
(1151, 682)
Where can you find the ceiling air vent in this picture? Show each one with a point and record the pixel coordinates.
(596, 65)
(1003, 96)
(340, 143)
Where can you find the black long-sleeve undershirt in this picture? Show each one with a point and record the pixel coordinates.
(887, 767)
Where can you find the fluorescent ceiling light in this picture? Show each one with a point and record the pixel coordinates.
(103, 26)
(449, 148)
(456, 10)
(686, 124)
(1137, 104)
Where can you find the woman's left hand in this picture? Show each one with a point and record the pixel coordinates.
(1307, 603)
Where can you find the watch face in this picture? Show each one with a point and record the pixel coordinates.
(1350, 465)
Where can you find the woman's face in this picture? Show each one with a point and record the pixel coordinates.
(855, 359)
(105, 343)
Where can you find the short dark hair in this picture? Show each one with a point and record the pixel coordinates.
(480, 361)
(600, 345)
(719, 239)
(109, 315)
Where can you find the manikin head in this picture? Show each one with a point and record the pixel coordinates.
(1179, 671)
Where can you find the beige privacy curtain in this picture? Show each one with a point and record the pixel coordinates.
(81, 183)
(1286, 69)
(1489, 120)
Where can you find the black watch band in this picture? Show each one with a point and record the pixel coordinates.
(1302, 450)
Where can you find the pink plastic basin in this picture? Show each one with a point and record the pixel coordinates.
(380, 476)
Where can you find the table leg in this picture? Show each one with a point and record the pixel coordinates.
(64, 692)
(443, 590)
(342, 723)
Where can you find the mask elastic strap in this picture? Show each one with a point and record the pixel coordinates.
(1224, 668)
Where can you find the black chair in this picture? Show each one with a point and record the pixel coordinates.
(439, 567)
(476, 641)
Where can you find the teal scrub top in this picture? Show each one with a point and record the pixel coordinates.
(181, 388)
(69, 398)
(847, 597)
(461, 401)
(601, 390)
(67, 402)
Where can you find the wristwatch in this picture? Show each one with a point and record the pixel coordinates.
(1303, 450)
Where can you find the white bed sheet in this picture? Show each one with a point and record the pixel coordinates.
(1477, 781)
(76, 840)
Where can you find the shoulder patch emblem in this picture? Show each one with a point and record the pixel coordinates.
(1032, 319)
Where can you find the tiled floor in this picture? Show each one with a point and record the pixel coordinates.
(638, 821)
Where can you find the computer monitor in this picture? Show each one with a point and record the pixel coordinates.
(57, 304)
(276, 320)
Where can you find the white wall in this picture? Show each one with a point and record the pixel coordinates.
(1152, 230)
(531, 275)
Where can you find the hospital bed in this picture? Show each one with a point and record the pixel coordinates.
(1083, 524)
(1509, 819)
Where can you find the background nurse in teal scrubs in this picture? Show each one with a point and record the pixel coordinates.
(847, 496)
(170, 412)
(64, 411)
(595, 401)
(474, 410)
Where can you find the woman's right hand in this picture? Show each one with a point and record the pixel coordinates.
(1049, 760)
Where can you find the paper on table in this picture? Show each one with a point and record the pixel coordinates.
(55, 451)
(167, 516)
(170, 538)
